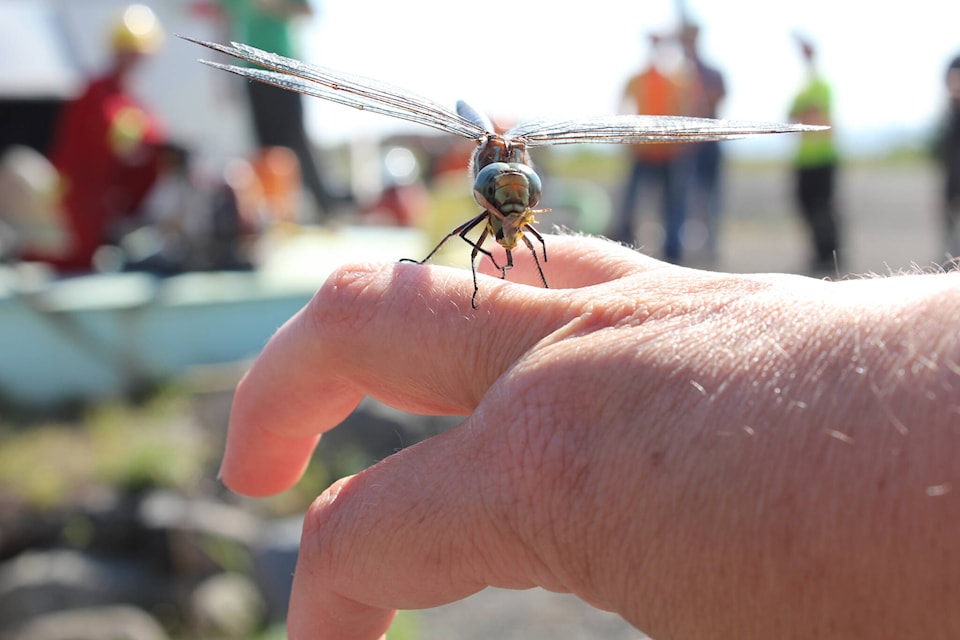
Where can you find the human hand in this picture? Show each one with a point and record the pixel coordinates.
(702, 453)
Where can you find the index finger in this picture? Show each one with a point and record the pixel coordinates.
(404, 334)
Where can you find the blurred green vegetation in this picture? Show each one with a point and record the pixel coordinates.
(602, 167)
(125, 445)
(131, 446)
(406, 626)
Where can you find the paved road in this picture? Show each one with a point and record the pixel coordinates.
(890, 221)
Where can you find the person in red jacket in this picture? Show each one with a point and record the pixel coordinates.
(106, 147)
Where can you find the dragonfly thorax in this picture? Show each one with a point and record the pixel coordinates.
(496, 148)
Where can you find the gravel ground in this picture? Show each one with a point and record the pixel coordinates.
(890, 219)
(522, 615)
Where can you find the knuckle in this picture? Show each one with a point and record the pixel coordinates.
(343, 297)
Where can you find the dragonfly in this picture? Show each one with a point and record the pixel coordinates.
(505, 185)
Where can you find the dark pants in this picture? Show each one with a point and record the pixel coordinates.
(278, 122)
(707, 161)
(951, 205)
(672, 180)
(815, 194)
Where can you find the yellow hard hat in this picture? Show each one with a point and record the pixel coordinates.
(138, 30)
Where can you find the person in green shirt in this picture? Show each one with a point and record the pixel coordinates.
(277, 114)
(815, 164)
(949, 156)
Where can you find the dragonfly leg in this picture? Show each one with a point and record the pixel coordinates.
(543, 245)
(536, 260)
(477, 248)
(509, 265)
(461, 231)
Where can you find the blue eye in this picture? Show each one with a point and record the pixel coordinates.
(508, 185)
(533, 178)
(488, 179)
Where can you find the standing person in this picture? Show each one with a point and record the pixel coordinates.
(950, 157)
(816, 164)
(655, 92)
(706, 90)
(277, 113)
(106, 147)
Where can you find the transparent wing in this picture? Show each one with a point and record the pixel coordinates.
(639, 129)
(474, 116)
(348, 89)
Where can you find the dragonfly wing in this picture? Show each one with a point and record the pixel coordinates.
(343, 88)
(640, 129)
(471, 114)
(300, 85)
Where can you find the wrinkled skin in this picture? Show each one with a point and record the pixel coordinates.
(708, 455)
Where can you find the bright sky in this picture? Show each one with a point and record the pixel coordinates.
(530, 58)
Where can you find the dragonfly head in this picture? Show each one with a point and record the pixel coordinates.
(508, 192)
(504, 188)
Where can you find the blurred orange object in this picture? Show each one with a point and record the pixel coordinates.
(278, 170)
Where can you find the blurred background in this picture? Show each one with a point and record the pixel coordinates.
(159, 219)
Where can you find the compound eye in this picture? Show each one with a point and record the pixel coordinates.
(534, 185)
(488, 180)
(503, 183)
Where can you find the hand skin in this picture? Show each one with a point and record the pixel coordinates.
(708, 455)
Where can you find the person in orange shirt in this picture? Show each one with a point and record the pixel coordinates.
(106, 148)
(666, 167)
(706, 90)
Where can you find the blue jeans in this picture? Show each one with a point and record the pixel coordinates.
(672, 179)
(707, 162)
